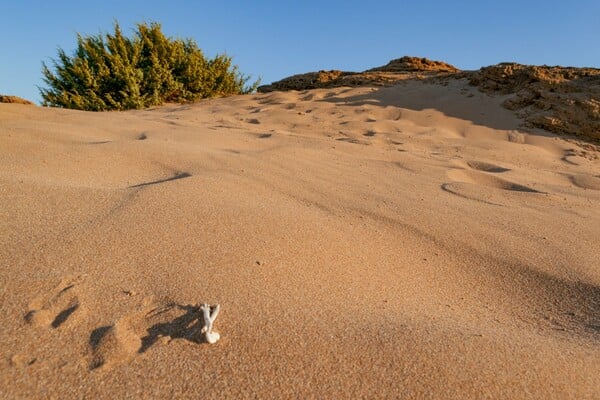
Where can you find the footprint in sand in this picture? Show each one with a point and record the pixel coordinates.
(577, 157)
(486, 167)
(478, 181)
(516, 137)
(137, 333)
(99, 142)
(490, 181)
(21, 360)
(176, 176)
(58, 307)
(113, 344)
(584, 181)
(311, 97)
(255, 110)
(351, 140)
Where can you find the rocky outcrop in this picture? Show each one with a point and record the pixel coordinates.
(562, 100)
(415, 64)
(13, 99)
(390, 74)
(310, 80)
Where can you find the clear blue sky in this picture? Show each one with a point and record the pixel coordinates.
(275, 39)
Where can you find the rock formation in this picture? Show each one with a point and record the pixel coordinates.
(13, 99)
(562, 100)
(390, 74)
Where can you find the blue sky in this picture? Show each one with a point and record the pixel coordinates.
(275, 39)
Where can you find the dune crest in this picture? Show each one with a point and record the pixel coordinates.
(562, 100)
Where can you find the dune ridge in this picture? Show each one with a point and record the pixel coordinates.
(562, 100)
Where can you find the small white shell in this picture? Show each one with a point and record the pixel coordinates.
(209, 319)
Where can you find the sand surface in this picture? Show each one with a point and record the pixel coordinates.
(400, 242)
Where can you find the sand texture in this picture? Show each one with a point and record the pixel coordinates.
(410, 241)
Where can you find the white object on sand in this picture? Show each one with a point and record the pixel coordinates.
(209, 319)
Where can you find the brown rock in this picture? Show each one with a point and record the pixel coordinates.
(562, 100)
(415, 64)
(13, 99)
(390, 74)
(310, 80)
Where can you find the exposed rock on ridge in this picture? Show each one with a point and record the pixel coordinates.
(13, 99)
(415, 64)
(390, 74)
(563, 100)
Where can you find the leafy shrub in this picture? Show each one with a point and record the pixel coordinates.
(113, 72)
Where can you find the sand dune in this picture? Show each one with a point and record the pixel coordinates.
(394, 242)
(563, 100)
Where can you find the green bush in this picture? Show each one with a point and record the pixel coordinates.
(113, 72)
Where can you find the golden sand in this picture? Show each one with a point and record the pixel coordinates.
(400, 242)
